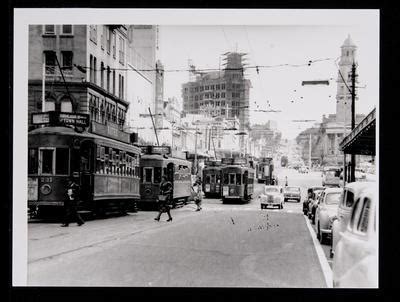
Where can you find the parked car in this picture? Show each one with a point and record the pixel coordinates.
(303, 169)
(308, 200)
(331, 176)
(351, 192)
(272, 196)
(326, 211)
(355, 263)
(313, 205)
(292, 193)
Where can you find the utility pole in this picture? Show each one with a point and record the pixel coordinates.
(195, 153)
(353, 118)
(43, 85)
(309, 153)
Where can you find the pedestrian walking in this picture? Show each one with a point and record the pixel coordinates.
(286, 181)
(198, 197)
(71, 204)
(165, 198)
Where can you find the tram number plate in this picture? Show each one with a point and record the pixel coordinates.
(208, 188)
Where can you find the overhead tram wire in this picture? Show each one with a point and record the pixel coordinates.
(210, 69)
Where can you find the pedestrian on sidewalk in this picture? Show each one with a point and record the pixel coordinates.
(165, 198)
(71, 204)
(198, 195)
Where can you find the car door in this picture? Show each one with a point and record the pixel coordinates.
(318, 205)
(354, 246)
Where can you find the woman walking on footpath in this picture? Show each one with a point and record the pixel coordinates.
(198, 195)
(165, 198)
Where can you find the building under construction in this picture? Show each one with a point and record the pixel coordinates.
(224, 92)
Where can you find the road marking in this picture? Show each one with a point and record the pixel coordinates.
(326, 269)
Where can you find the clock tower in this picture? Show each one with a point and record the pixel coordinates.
(343, 95)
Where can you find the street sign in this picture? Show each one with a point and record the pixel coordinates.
(56, 118)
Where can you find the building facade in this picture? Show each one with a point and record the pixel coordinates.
(226, 91)
(91, 59)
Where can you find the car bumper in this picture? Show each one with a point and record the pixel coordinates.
(326, 231)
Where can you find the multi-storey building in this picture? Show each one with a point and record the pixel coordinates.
(225, 91)
(92, 59)
(144, 81)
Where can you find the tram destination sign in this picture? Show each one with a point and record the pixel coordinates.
(55, 118)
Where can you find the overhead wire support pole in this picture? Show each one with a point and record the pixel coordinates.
(353, 118)
(154, 126)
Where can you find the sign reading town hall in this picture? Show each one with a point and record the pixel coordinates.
(60, 118)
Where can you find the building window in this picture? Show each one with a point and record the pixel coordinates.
(49, 30)
(50, 62)
(207, 87)
(113, 83)
(108, 42)
(66, 29)
(121, 50)
(218, 87)
(93, 33)
(66, 57)
(103, 38)
(114, 44)
(66, 105)
(222, 86)
(50, 105)
(108, 78)
(102, 75)
(222, 95)
(95, 70)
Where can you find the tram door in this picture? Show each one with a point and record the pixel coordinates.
(86, 166)
(245, 183)
(170, 175)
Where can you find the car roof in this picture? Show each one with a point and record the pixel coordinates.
(272, 186)
(358, 186)
(333, 190)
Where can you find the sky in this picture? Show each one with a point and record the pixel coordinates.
(274, 45)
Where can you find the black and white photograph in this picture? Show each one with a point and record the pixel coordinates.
(196, 148)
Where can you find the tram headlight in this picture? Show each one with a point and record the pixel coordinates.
(45, 189)
(148, 191)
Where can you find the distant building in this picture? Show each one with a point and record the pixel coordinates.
(226, 91)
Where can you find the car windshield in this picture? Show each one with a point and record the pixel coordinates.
(271, 189)
(332, 198)
(292, 189)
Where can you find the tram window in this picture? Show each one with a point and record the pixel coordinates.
(148, 175)
(232, 179)
(136, 171)
(218, 179)
(213, 178)
(47, 161)
(238, 179)
(208, 179)
(157, 174)
(226, 179)
(62, 161)
(33, 161)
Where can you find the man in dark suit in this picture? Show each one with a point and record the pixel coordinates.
(71, 204)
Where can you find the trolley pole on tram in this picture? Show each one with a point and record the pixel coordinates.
(195, 152)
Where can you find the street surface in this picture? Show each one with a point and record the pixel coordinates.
(224, 245)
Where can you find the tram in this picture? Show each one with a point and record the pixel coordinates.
(237, 180)
(265, 168)
(212, 179)
(106, 170)
(155, 162)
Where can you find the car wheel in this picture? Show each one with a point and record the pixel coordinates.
(281, 206)
(331, 253)
(318, 234)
